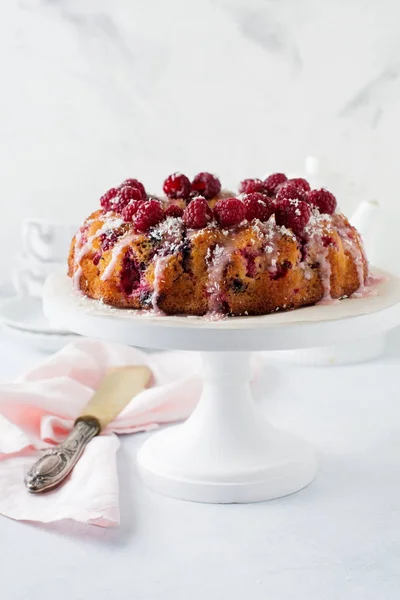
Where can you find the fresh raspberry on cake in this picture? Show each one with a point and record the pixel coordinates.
(177, 185)
(130, 210)
(105, 200)
(293, 214)
(197, 214)
(230, 212)
(134, 183)
(273, 183)
(126, 193)
(207, 185)
(258, 206)
(291, 192)
(148, 214)
(300, 183)
(249, 186)
(323, 200)
(117, 199)
(174, 211)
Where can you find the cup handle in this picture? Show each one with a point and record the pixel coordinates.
(36, 231)
(23, 280)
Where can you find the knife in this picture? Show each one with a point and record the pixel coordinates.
(117, 388)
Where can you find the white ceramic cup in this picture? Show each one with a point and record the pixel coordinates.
(28, 276)
(46, 241)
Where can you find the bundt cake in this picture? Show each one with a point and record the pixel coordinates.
(200, 250)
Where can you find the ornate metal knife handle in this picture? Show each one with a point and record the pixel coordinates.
(54, 466)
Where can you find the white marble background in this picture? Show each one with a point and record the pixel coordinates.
(93, 91)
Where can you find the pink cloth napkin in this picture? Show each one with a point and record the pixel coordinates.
(40, 408)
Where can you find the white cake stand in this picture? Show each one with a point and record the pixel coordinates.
(225, 451)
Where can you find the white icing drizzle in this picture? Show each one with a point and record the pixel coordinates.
(169, 232)
(217, 263)
(358, 255)
(307, 270)
(77, 267)
(320, 254)
(268, 233)
(317, 228)
(159, 269)
(369, 289)
(125, 240)
(325, 272)
(80, 252)
(192, 234)
(373, 279)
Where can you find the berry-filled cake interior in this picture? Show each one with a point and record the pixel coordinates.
(200, 250)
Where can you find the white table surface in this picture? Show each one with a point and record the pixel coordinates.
(339, 539)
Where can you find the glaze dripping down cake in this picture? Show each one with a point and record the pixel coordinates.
(200, 250)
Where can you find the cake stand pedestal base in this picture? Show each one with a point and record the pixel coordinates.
(226, 452)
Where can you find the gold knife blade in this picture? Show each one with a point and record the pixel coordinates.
(116, 390)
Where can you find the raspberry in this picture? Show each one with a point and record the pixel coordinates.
(250, 261)
(108, 239)
(174, 211)
(96, 258)
(293, 214)
(125, 196)
(127, 193)
(117, 199)
(207, 185)
(291, 192)
(329, 240)
(105, 200)
(130, 210)
(129, 276)
(323, 200)
(249, 186)
(134, 183)
(300, 183)
(229, 211)
(273, 183)
(197, 214)
(177, 186)
(149, 213)
(258, 206)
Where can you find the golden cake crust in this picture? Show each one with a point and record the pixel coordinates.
(253, 269)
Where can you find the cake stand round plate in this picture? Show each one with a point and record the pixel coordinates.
(226, 451)
(302, 328)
